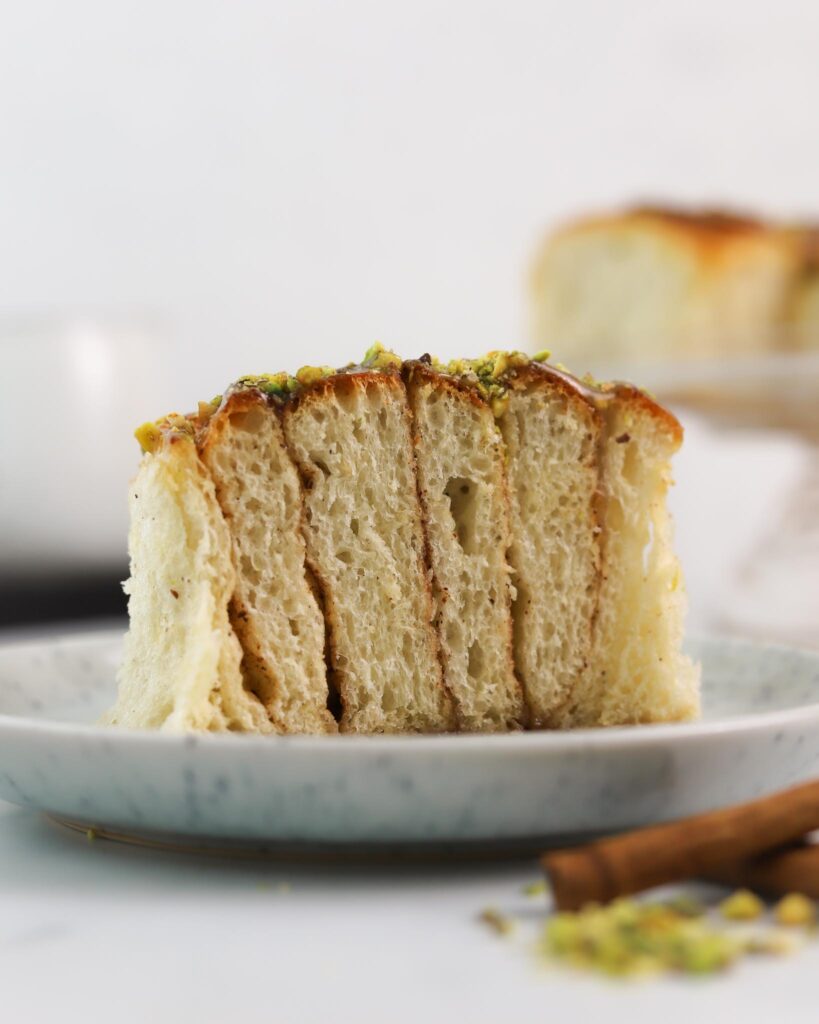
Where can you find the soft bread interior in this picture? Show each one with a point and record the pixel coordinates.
(351, 437)
(463, 489)
(637, 286)
(638, 672)
(181, 669)
(274, 610)
(610, 290)
(551, 438)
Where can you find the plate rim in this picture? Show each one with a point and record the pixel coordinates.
(551, 741)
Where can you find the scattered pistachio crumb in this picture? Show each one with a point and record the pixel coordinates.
(497, 921)
(627, 938)
(795, 910)
(704, 952)
(686, 906)
(279, 384)
(308, 375)
(541, 356)
(772, 943)
(149, 437)
(90, 834)
(535, 888)
(743, 905)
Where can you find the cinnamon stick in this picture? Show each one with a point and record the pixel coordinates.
(693, 847)
(795, 869)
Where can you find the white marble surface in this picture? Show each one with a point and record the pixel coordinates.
(94, 930)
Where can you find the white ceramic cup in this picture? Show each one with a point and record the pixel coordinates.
(72, 390)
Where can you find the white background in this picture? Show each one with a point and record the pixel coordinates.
(283, 182)
(194, 190)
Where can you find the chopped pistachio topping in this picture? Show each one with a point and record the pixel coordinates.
(379, 358)
(489, 374)
(269, 383)
(795, 910)
(535, 888)
(541, 356)
(743, 905)
(308, 375)
(282, 384)
(773, 943)
(686, 906)
(150, 435)
(497, 921)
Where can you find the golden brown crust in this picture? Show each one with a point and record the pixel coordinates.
(707, 227)
(640, 400)
(347, 380)
(421, 371)
(713, 235)
(576, 390)
(599, 397)
(210, 432)
(707, 221)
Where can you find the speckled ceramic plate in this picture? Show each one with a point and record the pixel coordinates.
(760, 731)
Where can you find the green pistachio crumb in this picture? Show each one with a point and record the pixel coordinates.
(497, 921)
(311, 374)
(279, 384)
(535, 888)
(703, 951)
(795, 910)
(773, 943)
(149, 437)
(743, 905)
(379, 358)
(627, 937)
(686, 906)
